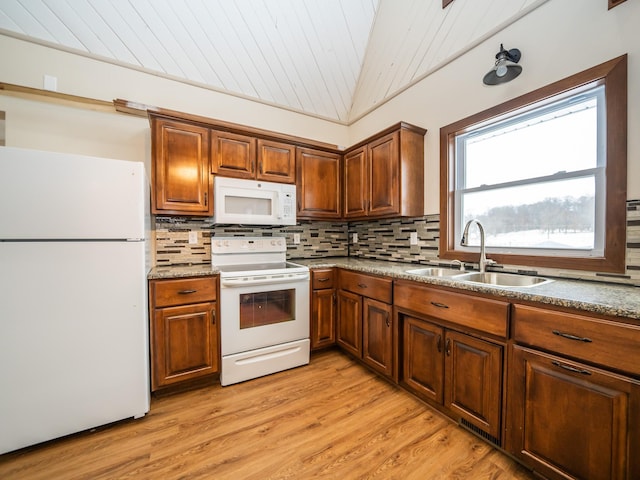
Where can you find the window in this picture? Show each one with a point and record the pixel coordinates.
(544, 173)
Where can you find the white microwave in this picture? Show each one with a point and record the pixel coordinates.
(253, 202)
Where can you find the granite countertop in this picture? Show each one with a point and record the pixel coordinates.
(596, 297)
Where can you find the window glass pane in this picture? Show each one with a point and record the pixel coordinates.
(562, 138)
(551, 215)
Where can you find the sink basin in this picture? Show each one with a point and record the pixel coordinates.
(435, 272)
(502, 279)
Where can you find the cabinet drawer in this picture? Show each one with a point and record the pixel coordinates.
(322, 279)
(378, 288)
(183, 291)
(483, 314)
(610, 344)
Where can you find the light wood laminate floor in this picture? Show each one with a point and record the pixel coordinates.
(332, 419)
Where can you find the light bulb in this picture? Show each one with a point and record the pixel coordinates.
(501, 69)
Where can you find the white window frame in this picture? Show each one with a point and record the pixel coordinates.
(521, 116)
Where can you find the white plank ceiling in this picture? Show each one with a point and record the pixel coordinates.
(333, 59)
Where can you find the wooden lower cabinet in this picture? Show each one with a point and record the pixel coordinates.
(323, 309)
(184, 330)
(365, 324)
(568, 420)
(377, 338)
(349, 322)
(455, 370)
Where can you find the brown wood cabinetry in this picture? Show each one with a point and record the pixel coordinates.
(569, 415)
(276, 162)
(323, 308)
(181, 183)
(364, 319)
(319, 191)
(183, 330)
(385, 176)
(453, 368)
(244, 156)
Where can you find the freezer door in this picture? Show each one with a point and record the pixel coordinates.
(73, 338)
(47, 195)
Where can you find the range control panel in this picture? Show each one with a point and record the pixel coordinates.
(231, 245)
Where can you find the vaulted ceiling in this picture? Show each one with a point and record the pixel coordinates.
(333, 59)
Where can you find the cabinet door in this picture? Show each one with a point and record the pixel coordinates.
(318, 181)
(233, 155)
(473, 381)
(181, 182)
(422, 358)
(377, 336)
(349, 322)
(384, 175)
(323, 318)
(568, 420)
(184, 342)
(355, 183)
(276, 162)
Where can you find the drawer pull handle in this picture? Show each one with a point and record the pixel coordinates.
(572, 369)
(322, 279)
(186, 292)
(571, 337)
(362, 285)
(439, 305)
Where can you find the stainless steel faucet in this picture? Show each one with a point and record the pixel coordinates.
(463, 241)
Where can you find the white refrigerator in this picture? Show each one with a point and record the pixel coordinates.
(74, 350)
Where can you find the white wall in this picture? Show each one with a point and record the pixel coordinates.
(558, 39)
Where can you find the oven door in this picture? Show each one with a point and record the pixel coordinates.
(263, 313)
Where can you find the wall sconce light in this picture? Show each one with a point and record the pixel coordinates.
(505, 68)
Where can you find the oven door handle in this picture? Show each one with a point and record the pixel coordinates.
(232, 282)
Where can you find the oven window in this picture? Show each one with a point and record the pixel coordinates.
(266, 308)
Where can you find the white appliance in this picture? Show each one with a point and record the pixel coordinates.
(239, 201)
(264, 305)
(73, 304)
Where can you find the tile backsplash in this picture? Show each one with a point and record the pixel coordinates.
(172, 247)
(381, 239)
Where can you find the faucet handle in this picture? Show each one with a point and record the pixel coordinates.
(458, 262)
(488, 261)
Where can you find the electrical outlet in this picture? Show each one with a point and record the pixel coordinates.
(354, 238)
(193, 237)
(413, 238)
(296, 239)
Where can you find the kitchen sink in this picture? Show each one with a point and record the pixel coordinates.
(435, 272)
(502, 279)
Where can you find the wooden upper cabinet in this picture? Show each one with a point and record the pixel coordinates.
(233, 155)
(276, 162)
(181, 182)
(355, 183)
(383, 171)
(244, 156)
(318, 181)
(384, 176)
